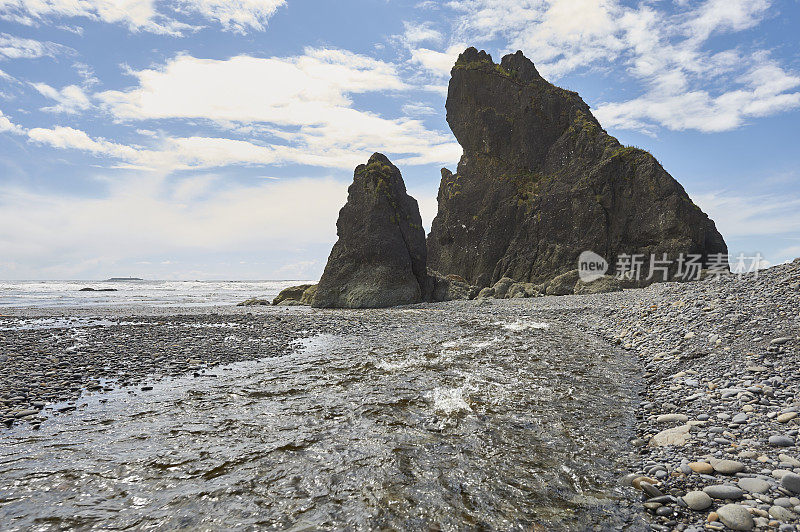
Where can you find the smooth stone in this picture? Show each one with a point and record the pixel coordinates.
(780, 440)
(780, 341)
(785, 458)
(735, 517)
(677, 436)
(638, 481)
(786, 417)
(651, 491)
(783, 501)
(627, 480)
(724, 491)
(664, 499)
(727, 467)
(26, 413)
(754, 485)
(782, 514)
(791, 481)
(671, 418)
(703, 468)
(665, 511)
(697, 500)
(739, 418)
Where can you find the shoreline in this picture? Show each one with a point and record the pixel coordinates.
(713, 381)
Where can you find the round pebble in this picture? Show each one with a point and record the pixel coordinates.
(697, 500)
(735, 517)
(727, 467)
(791, 481)
(723, 491)
(754, 485)
(781, 440)
(701, 467)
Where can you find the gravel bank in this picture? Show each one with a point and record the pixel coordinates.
(57, 355)
(717, 442)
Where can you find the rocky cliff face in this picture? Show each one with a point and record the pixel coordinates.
(380, 257)
(540, 181)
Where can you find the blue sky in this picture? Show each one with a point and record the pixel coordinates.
(212, 139)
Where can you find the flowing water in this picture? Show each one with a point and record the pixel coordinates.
(512, 424)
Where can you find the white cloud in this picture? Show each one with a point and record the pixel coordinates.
(286, 91)
(185, 153)
(418, 109)
(143, 15)
(292, 110)
(70, 99)
(751, 215)
(137, 15)
(437, 63)
(235, 15)
(67, 137)
(720, 15)
(13, 47)
(418, 33)
(304, 101)
(171, 153)
(148, 215)
(561, 35)
(7, 126)
(762, 93)
(686, 86)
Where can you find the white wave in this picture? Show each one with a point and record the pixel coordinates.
(521, 325)
(401, 365)
(451, 344)
(159, 293)
(449, 401)
(486, 343)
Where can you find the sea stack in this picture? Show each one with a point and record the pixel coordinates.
(380, 257)
(540, 182)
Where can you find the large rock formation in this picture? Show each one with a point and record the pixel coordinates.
(380, 257)
(540, 181)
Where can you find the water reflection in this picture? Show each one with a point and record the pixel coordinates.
(502, 428)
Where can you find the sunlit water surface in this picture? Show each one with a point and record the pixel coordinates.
(21, 294)
(503, 428)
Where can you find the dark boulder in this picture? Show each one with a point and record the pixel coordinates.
(380, 257)
(603, 285)
(540, 182)
(293, 295)
(563, 284)
(449, 287)
(97, 290)
(254, 302)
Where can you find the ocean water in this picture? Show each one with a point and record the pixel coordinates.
(26, 294)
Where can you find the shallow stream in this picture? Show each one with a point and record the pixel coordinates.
(514, 424)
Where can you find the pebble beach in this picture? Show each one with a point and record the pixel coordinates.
(708, 441)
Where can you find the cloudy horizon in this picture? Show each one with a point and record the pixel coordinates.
(202, 139)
